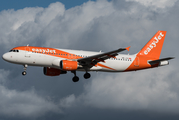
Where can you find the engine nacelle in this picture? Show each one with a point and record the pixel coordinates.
(68, 65)
(53, 71)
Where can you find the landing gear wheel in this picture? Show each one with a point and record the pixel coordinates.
(75, 79)
(87, 75)
(24, 73)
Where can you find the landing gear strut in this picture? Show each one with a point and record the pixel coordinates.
(75, 78)
(25, 67)
(87, 75)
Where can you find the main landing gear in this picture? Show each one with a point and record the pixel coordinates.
(76, 78)
(87, 75)
(25, 67)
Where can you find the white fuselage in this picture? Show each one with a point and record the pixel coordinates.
(118, 64)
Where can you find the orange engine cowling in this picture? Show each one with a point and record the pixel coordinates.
(53, 71)
(68, 65)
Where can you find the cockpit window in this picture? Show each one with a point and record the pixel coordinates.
(14, 51)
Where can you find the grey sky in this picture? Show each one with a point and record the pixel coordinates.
(100, 25)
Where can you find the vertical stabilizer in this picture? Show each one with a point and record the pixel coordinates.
(154, 47)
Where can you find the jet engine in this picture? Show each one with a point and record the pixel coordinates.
(67, 65)
(53, 71)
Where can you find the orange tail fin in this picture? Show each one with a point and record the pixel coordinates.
(154, 47)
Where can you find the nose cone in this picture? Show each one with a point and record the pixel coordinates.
(5, 57)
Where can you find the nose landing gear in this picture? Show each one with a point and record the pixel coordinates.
(24, 72)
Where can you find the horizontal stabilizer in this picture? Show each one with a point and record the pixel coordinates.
(159, 60)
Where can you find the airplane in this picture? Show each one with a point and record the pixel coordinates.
(58, 61)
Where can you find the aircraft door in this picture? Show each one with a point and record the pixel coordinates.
(136, 62)
(27, 52)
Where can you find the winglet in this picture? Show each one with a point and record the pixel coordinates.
(128, 48)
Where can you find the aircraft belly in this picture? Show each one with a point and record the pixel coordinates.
(119, 66)
(43, 60)
(112, 66)
(35, 60)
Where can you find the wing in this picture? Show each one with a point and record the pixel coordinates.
(93, 60)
